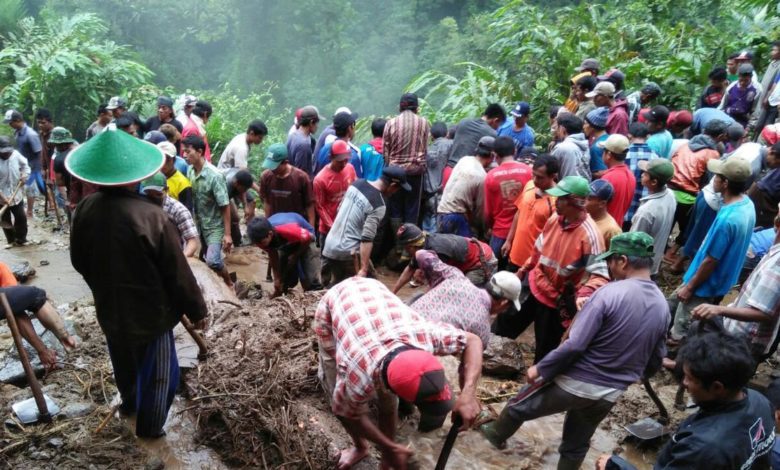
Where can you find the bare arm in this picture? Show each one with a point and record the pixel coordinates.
(467, 405)
(365, 257)
(227, 241)
(507, 247)
(702, 274)
(406, 276)
(191, 247)
(746, 314)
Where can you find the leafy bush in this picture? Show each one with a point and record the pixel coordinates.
(66, 65)
(533, 51)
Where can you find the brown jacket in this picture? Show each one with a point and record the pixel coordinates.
(129, 254)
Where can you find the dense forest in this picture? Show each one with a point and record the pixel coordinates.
(263, 59)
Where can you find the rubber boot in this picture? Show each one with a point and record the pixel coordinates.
(500, 430)
(569, 464)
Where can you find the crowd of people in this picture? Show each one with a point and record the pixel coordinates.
(571, 238)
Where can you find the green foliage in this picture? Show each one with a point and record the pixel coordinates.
(233, 111)
(66, 66)
(11, 12)
(533, 51)
(450, 98)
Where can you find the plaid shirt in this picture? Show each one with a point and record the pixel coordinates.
(636, 153)
(761, 292)
(181, 218)
(358, 322)
(406, 142)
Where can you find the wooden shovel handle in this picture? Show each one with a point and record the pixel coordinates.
(35, 386)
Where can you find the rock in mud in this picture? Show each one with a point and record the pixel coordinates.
(77, 410)
(11, 370)
(503, 358)
(22, 269)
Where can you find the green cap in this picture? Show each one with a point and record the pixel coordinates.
(629, 244)
(277, 153)
(60, 135)
(735, 169)
(114, 158)
(659, 168)
(570, 186)
(156, 182)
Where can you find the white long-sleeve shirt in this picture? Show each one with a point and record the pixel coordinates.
(12, 170)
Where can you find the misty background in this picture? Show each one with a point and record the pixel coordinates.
(325, 52)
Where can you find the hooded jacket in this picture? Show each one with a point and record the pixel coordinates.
(690, 163)
(573, 156)
(617, 121)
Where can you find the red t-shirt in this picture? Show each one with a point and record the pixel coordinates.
(329, 189)
(624, 183)
(502, 186)
(472, 260)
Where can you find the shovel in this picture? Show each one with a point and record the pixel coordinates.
(8, 224)
(647, 429)
(40, 407)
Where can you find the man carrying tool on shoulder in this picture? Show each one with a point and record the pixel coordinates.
(372, 345)
(14, 171)
(617, 338)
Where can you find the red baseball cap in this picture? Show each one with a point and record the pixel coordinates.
(417, 376)
(340, 151)
(771, 134)
(682, 118)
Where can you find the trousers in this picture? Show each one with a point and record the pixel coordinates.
(146, 375)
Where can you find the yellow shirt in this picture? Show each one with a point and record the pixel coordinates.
(177, 183)
(608, 229)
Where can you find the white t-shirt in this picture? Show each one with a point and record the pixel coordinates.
(235, 154)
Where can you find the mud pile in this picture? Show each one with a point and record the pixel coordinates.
(83, 388)
(257, 398)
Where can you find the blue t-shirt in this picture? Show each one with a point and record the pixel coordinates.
(323, 158)
(523, 138)
(597, 155)
(181, 165)
(727, 241)
(661, 144)
(372, 162)
(774, 456)
(704, 115)
(28, 143)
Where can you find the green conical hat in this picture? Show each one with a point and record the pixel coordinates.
(114, 158)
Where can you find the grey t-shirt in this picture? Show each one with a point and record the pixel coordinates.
(357, 220)
(655, 217)
(299, 151)
(467, 137)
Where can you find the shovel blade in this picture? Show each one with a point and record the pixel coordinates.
(646, 429)
(27, 410)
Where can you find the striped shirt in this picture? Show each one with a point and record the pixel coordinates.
(762, 293)
(564, 253)
(406, 142)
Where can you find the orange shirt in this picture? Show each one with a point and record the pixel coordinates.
(562, 253)
(7, 278)
(689, 167)
(533, 209)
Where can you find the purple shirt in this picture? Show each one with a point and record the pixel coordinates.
(739, 102)
(619, 333)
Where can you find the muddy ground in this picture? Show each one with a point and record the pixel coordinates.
(255, 403)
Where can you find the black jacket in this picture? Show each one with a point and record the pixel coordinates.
(737, 435)
(129, 253)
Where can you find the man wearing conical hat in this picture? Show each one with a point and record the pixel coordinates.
(130, 256)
